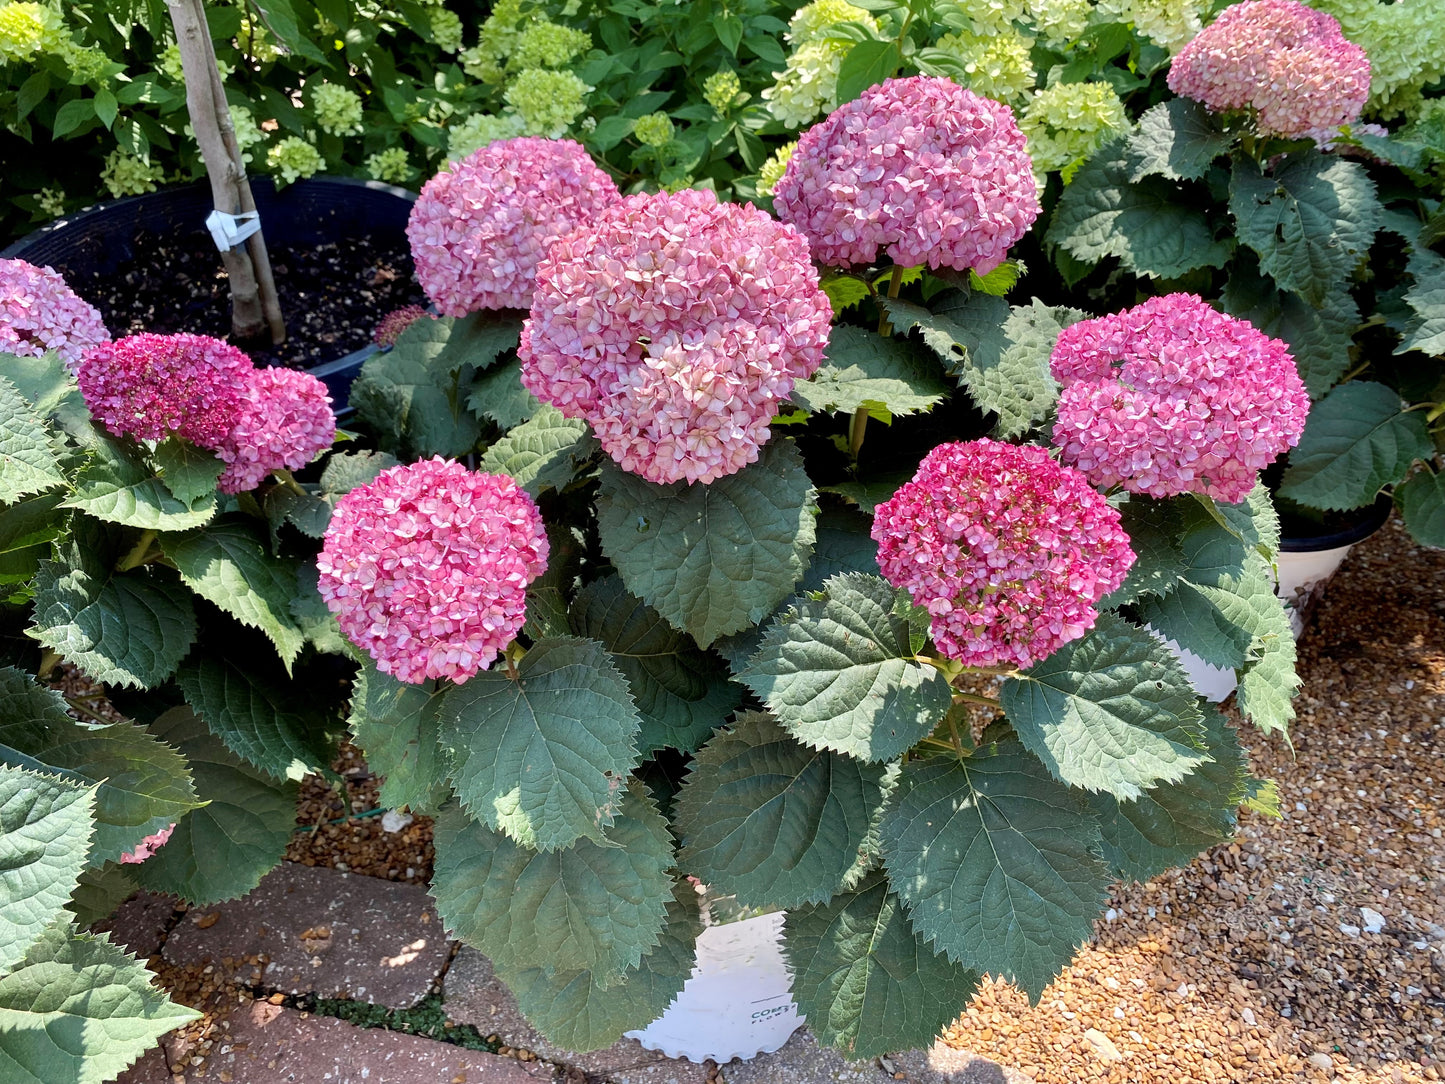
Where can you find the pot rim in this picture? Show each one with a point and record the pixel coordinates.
(1379, 513)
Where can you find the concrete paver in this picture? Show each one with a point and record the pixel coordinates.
(140, 923)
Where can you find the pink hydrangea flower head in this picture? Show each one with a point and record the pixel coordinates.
(389, 329)
(675, 325)
(282, 420)
(1287, 63)
(39, 312)
(153, 386)
(1006, 549)
(147, 847)
(426, 568)
(480, 226)
(921, 168)
(1174, 397)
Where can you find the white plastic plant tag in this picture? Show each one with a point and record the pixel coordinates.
(229, 230)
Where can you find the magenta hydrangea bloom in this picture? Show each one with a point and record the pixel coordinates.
(153, 386)
(147, 847)
(390, 327)
(675, 325)
(1174, 397)
(921, 168)
(426, 568)
(39, 313)
(1005, 548)
(1286, 62)
(282, 420)
(480, 226)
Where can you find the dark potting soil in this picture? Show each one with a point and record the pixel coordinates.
(332, 295)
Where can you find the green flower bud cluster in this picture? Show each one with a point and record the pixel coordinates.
(774, 168)
(548, 101)
(545, 44)
(653, 130)
(51, 202)
(1068, 122)
(293, 158)
(480, 129)
(446, 30)
(126, 175)
(337, 109)
(1170, 24)
(720, 88)
(997, 62)
(390, 165)
(170, 65)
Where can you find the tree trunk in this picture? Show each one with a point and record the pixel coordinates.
(255, 312)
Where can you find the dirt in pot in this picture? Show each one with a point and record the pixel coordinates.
(332, 295)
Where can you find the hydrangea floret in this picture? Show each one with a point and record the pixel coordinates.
(1175, 397)
(808, 85)
(294, 159)
(1170, 24)
(653, 130)
(338, 109)
(391, 165)
(1286, 63)
(446, 30)
(282, 420)
(481, 129)
(480, 227)
(720, 89)
(675, 325)
(27, 29)
(545, 44)
(997, 62)
(1006, 549)
(390, 327)
(773, 169)
(124, 174)
(147, 847)
(547, 101)
(39, 313)
(1405, 42)
(426, 568)
(920, 169)
(1068, 122)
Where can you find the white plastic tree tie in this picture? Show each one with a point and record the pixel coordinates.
(229, 230)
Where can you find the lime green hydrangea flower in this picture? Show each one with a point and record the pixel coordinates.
(86, 65)
(774, 168)
(813, 21)
(1066, 123)
(1405, 42)
(545, 44)
(480, 129)
(808, 86)
(446, 30)
(27, 29)
(390, 165)
(653, 130)
(337, 109)
(126, 175)
(998, 62)
(720, 88)
(51, 202)
(496, 41)
(293, 158)
(548, 101)
(254, 40)
(1170, 24)
(248, 132)
(169, 64)
(1059, 22)
(997, 15)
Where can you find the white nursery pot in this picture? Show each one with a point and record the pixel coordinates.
(1305, 564)
(738, 1002)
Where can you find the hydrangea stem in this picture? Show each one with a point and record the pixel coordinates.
(858, 428)
(138, 554)
(974, 698)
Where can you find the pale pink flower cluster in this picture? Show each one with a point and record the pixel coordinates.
(1173, 397)
(390, 326)
(920, 167)
(283, 420)
(147, 847)
(426, 568)
(675, 325)
(480, 226)
(39, 313)
(1287, 62)
(1006, 549)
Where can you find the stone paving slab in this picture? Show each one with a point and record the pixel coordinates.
(140, 923)
(323, 932)
(803, 1061)
(268, 1044)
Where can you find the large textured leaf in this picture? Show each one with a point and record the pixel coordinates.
(1427, 298)
(144, 784)
(1268, 682)
(27, 462)
(1422, 503)
(79, 1010)
(589, 907)
(773, 822)
(866, 982)
(1310, 222)
(863, 370)
(1356, 441)
(118, 489)
(498, 394)
(1112, 711)
(270, 724)
(27, 529)
(1168, 825)
(543, 757)
(398, 729)
(222, 850)
(1153, 528)
(845, 544)
(1178, 139)
(712, 559)
(543, 452)
(347, 470)
(45, 825)
(998, 863)
(99, 893)
(839, 671)
(682, 694)
(1148, 224)
(189, 473)
(573, 1011)
(228, 564)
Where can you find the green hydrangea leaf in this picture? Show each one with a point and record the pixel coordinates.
(398, 727)
(1422, 503)
(27, 461)
(1145, 223)
(1169, 825)
(222, 850)
(596, 907)
(1356, 441)
(543, 757)
(843, 290)
(228, 564)
(115, 487)
(99, 893)
(863, 370)
(867, 64)
(189, 473)
(866, 982)
(498, 394)
(543, 452)
(998, 863)
(316, 622)
(144, 785)
(844, 544)
(347, 470)
(1112, 711)
(79, 1010)
(44, 382)
(1268, 682)
(257, 715)
(1426, 297)
(45, 826)
(839, 671)
(1153, 528)
(1310, 222)
(682, 694)
(773, 822)
(712, 559)
(27, 530)
(1178, 139)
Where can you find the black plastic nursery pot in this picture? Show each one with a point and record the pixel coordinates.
(1342, 529)
(320, 210)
